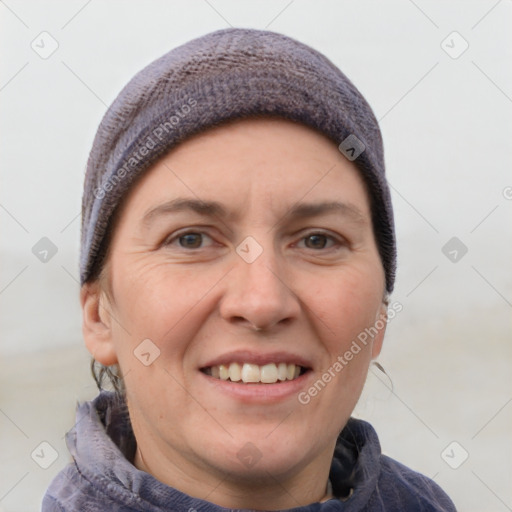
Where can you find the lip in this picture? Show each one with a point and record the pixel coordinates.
(259, 358)
(259, 393)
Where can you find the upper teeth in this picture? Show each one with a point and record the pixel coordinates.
(247, 372)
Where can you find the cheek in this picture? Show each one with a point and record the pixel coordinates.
(162, 302)
(347, 308)
(346, 303)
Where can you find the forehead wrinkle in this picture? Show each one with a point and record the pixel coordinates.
(205, 208)
(304, 210)
(217, 209)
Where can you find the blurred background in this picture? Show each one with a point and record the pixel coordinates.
(439, 78)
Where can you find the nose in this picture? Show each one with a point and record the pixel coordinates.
(258, 294)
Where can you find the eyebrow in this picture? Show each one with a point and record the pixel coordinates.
(216, 209)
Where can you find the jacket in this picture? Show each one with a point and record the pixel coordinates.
(102, 478)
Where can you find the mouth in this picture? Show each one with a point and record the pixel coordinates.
(250, 373)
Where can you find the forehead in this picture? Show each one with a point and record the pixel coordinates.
(270, 161)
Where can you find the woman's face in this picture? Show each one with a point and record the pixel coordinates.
(249, 246)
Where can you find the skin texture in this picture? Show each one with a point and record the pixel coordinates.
(196, 298)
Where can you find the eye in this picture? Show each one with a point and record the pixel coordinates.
(188, 240)
(320, 241)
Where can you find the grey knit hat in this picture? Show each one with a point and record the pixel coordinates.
(224, 75)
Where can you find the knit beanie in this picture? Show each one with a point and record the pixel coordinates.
(224, 75)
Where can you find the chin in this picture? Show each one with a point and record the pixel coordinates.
(263, 455)
(256, 467)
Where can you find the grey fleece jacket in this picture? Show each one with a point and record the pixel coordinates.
(102, 478)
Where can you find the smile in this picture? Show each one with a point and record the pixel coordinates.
(252, 373)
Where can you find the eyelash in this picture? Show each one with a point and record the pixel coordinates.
(177, 237)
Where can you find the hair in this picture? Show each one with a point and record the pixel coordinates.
(108, 374)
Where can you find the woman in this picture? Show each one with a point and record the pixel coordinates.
(238, 252)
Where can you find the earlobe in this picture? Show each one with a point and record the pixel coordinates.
(96, 325)
(380, 323)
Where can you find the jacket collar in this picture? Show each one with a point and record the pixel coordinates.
(103, 445)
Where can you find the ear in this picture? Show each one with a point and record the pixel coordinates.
(96, 324)
(381, 322)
